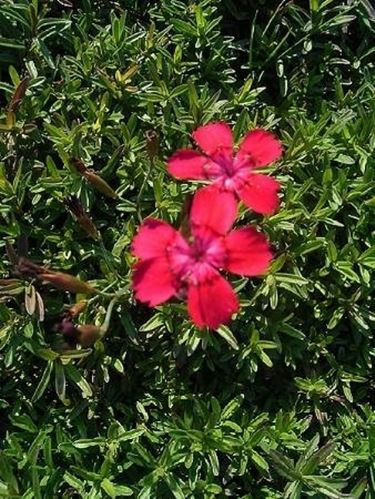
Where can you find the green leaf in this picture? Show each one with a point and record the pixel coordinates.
(47, 354)
(359, 489)
(345, 268)
(6, 473)
(327, 486)
(43, 383)
(156, 321)
(174, 486)
(130, 434)
(84, 443)
(317, 458)
(259, 461)
(310, 246)
(291, 279)
(79, 380)
(367, 258)
(292, 331)
(11, 43)
(25, 423)
(73, 481)
(184, 27)
(228, 336)
(60, 381)
(232, 407)
(15, 77)
(114, 490)
(284, 466)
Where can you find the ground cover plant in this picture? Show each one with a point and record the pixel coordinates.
(102, 396)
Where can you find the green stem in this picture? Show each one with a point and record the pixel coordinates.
(105, 256)
(107, 320)
(141, 190)
(104, 293)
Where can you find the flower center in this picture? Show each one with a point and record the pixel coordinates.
(199, 250)
(207, 249)
(226, 164)
(193, 263)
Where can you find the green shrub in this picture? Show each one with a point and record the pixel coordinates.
(280, 403)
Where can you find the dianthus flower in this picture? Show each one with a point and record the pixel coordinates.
(229, 171)
(170, 265)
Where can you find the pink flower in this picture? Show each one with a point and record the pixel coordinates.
(169, 265)
(235, 173)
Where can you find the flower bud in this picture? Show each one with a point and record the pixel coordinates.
(66, 282)
(87, 334)
(11, 287)
(66, 328)
(100, 184)
(10, 120)
(94, 179)
(77, 308)
(9, 282)
(60, 280)
(28, 268)
(78, 165)
(152, 143)
(82, 217)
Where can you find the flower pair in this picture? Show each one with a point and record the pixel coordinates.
(171, 265)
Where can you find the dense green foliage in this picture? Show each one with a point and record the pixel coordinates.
(278, 405)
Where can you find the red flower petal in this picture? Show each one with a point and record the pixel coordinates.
(260, 194)
(153, 282)
(189, 164)
(214, 209)
(259, 148)
(153, 238)
(212, 302)
(215, 138)
(248, 252)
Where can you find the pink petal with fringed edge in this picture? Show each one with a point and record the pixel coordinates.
(214, 209)
(190, 165)
(248, 252)
(215, 139)
(259, 148)
(260, 194)
(153, 239)
(212, 302)
(153, 281)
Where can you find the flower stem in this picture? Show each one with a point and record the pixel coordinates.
(141, 190)
(104, 327)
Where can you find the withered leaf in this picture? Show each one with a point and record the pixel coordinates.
(18, 95)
